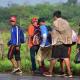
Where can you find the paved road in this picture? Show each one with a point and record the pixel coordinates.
(18, 77)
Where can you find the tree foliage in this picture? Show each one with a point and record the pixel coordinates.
(24, 14)
(72, 2)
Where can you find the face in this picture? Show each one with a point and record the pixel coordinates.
(35, 23)
(42, 23)
(12, 23)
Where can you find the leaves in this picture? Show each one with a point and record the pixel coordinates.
(24, 14)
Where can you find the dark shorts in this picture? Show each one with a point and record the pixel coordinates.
(60, 52)
(14, 53)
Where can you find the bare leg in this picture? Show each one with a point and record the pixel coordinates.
(62, 65)
(52, 64)
(67, 62)
(69, 52)
(14, 63)
(19, 64)
(49, 73)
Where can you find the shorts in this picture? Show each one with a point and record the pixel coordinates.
(13, 52)
(60, 52)
(44, 53)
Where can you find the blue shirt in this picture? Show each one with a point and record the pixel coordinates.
(15, 36)
(43, 29)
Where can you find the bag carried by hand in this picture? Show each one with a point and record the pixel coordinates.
(77, 57)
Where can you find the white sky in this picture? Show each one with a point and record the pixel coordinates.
(5, 2)
(21, 2)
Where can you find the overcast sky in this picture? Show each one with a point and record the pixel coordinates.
(6, 2)
(21, 2)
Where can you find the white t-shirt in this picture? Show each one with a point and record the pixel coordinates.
(74, 36)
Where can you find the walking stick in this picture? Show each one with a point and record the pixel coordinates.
(26, 53)
(1, 46)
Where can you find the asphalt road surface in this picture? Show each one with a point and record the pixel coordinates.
(26, 77)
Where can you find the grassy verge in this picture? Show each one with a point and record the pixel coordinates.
(6, 66)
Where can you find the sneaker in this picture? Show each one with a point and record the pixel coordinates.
(70, 76)
(48, 74)
(15, 70)
(20, 71)
(41, 69)
(33, 72)
(63, 74)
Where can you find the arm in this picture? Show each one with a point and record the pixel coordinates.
(30, 35)
(10, 40)
(31, 31)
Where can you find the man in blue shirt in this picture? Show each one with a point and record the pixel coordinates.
(44, 33)
(45, 45)
(14, 46)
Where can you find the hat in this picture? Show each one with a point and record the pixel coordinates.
(34, 19)
(13, 18)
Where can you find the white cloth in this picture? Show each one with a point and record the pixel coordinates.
(74, 36)
(44, 38)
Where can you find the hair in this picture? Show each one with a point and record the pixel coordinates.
(41, 20)
(57, 14)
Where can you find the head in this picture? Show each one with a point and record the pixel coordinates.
(34, 21)
(13, 20)
(57, 14)
(41, 21)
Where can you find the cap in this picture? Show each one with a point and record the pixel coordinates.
(13, 18)
(34, 19)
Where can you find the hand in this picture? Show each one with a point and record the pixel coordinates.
(17, 48)
(9, 46)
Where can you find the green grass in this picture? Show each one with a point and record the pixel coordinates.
(6, 66)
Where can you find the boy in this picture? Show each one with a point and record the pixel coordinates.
(45, 45)
(33, 29)
(14, 46)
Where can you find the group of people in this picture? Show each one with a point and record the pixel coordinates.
(45, 42)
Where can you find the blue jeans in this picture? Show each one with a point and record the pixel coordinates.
(33, 52)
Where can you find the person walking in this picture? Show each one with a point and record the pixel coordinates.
(61, 40)
(45, 49)
(33, 41)
(14, 46)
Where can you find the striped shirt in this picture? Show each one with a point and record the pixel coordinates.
(15, 35)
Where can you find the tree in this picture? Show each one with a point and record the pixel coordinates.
(72, 2)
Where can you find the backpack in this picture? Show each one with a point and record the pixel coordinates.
(77, 57)
(49, 34)
(22, 38)
(36, 36)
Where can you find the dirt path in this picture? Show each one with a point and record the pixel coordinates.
(25, 77)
